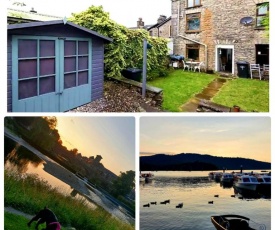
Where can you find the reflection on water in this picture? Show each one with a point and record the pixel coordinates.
(19, 157)
(201, 199)
(23, 161)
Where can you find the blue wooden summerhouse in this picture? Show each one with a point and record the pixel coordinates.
(53, 66)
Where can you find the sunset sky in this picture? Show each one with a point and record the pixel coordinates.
(247, 137)
(111, 137)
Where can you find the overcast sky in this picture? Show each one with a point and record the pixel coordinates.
(248, 137)
(125, 12)
(111, 137)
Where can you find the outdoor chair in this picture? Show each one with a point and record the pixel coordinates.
(186, 66)
(199, 66)
(255, 71)
(265, 73)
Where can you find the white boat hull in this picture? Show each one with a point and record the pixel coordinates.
(247, 186)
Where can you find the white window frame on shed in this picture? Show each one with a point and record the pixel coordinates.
(217, 56)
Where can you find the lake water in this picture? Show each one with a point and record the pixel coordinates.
(194, 190)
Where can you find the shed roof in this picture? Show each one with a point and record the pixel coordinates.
(31, 15)
(55, 22)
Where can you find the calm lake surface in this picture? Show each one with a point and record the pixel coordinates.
(194, 190)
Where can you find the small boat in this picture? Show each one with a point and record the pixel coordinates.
(211, 175)
(141, 179)
(227, 178)
(217, 176)
(148, 176)
(234, 222)
(265, 183)
(247, 182)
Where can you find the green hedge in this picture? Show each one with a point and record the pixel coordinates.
(126, 50)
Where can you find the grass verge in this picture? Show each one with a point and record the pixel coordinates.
(29, 194)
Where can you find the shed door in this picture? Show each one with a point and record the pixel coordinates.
(50, 74)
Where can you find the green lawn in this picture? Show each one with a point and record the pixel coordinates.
(180, 86)
(250, 95)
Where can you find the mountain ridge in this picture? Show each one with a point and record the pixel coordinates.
(196, 161)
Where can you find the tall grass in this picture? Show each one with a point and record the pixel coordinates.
(29, 194)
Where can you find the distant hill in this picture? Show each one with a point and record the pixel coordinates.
(194, 161)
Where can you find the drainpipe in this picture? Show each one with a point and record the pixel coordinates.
(189, 39)
(178, 29)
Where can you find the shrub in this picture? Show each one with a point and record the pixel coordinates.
(126, 50)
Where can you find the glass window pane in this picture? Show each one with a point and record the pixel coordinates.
(83, 47)
(47, 66)
(69, 48)
(27, 88)
(70, 64)
(82, 63)
(27, 68)
(262, 10)
(259, 21)
(193, 54)
(47, 48)
(27, 48)
(47, 85)
(69, 80)
(193, 24)
(83, 78)
(190, 3)
(197, 2)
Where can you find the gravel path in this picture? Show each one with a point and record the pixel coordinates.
(118, 98)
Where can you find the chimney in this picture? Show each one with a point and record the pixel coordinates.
(33, 11)
(161, 18)
(140, 23)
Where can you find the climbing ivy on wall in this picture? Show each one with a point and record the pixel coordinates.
(126, 50)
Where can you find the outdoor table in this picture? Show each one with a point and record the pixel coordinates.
(192, 63)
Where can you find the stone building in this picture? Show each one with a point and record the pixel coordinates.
(162, 28)
(220, 33)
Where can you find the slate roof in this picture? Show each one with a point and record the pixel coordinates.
(157, 25)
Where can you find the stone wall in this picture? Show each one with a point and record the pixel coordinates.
(220, 25)
(162, 31)
(154, 32)
(154, 95)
